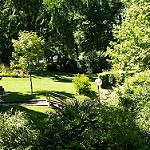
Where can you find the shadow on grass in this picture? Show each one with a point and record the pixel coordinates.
(56, 76)
(43, 93)
(35, 118)
(17, 96)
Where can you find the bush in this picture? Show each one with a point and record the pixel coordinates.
(15, 132)
(92, 62)
(135, 92)
(14, 73)
(68, 65)
(52, 67)
(143, 117)
(82, 84)
(2, 91)
(113, 78)
(9, 72)
(71, 66)
(134, 96)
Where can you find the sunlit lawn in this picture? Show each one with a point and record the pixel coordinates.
(19, 88)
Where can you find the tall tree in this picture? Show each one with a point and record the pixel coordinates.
(15, 16)
(132, 46)
(82, 25)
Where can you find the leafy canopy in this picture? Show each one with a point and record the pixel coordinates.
(132, 46)
(28, 49)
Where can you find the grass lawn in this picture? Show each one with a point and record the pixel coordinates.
(19, 89)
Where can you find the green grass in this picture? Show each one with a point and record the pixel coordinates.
(19, 88)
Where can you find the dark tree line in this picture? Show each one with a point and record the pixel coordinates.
(70, 27)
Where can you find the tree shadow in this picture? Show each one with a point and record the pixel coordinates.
(35, 118)
(43, 93)
(17, 96)
(56, 76)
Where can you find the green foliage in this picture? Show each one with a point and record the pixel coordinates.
(135, 92)
(15, 16)
(134, 96)
(80, 25)
(92, 62)
(65, 64)
(10, 72)
(131, 47)
(28, 50)
(85, 126)
(82, 84)
(2, 91)
(113, 78)
(15, 131)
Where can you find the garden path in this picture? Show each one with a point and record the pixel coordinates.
(35, 102)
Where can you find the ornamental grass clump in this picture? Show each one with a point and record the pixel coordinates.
(82, 84)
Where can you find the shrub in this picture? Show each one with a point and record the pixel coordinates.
(7, 72)
(134, 96)
(15, 132)
(135, 92)
(143, 117)
(71, 66)
(52, 67)
(85, 126)
(14, 73)
(92, 62)
(82, 84)
(113, 78)
(68, 65)
(2, 91)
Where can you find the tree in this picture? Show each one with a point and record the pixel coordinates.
(28, 50)
(15, 16)
(132, 46)
(81, 25)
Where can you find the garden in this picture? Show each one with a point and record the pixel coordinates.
(84, 122)
(74, 75)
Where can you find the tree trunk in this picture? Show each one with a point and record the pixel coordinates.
(77, 51)
(31, 84)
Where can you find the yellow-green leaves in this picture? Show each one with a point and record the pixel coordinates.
(133, 43)
(28, 49)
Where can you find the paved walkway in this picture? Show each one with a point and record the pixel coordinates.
(35, 102)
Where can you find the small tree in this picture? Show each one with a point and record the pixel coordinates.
(27, 51)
